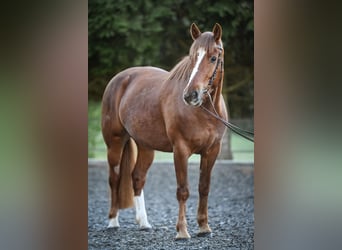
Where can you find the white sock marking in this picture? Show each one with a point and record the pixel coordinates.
(141, 216)
(114, 222)
(200, 54)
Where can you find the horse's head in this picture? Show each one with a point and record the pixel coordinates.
(206, 54)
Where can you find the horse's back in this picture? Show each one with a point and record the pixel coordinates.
(119, 83)
(127, 80)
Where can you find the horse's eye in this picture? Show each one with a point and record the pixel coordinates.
(213, 59)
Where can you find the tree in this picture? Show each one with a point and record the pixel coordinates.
(125, 33)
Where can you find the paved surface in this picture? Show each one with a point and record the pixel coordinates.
(231, 210)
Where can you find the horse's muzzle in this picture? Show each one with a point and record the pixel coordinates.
(193, 98)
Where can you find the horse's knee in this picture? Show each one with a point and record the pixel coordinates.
(182, 193)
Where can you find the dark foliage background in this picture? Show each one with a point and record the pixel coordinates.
(126, 33)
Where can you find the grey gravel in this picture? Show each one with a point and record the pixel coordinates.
(231, 210)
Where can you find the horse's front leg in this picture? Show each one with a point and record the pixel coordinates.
(207, 162)
(181, 155)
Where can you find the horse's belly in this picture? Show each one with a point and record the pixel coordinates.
(149, 133)
(153, 141)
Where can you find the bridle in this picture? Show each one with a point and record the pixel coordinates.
(219, 61)
(244, 133)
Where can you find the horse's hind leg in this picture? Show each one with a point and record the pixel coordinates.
(114, 153)
(144, 161)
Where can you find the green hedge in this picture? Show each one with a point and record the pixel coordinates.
(125, 33)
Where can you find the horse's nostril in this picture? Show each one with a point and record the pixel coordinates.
(191, 97)
(186, 97)
(194, 95)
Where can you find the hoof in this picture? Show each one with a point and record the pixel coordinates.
(143, 223)
(145, 227)
(113, 223)
(204, 230)
(182, 236)
(112, 226)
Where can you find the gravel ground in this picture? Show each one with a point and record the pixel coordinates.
(231, 210)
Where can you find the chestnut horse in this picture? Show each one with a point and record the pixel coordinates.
(147, 108)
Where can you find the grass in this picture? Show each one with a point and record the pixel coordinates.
(242, 149)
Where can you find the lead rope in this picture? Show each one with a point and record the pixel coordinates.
(234, 128)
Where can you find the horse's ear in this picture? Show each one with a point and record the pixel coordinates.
(194, 31)
(217, 30)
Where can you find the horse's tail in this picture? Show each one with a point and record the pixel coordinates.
(128, 160)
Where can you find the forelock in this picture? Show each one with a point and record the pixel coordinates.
(206, 41)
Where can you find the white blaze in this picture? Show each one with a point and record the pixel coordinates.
(200, 54)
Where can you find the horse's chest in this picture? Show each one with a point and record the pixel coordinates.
(204, 137)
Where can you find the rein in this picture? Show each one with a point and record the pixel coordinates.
(244, 133)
